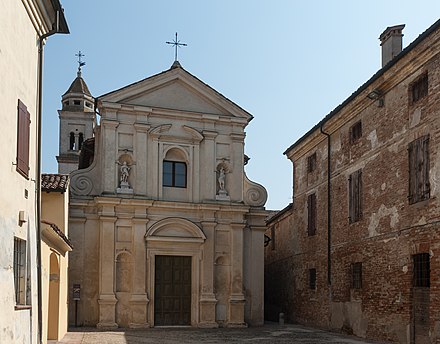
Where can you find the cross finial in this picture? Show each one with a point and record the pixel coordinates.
(176, 43)
(80, 62)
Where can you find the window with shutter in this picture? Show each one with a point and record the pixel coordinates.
(355, 196)
(419, 88)
(311, 214)
(311, 163)
(418, 159)
(23, 133)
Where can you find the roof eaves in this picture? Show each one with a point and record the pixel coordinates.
(378, 74)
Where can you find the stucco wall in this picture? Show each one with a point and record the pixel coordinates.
(18, 53)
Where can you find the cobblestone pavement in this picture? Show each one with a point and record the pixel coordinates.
(270, 333)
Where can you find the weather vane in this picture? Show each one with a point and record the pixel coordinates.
(80, 62)
(177, 45)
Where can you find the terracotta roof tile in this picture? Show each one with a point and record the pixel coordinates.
(54, 182)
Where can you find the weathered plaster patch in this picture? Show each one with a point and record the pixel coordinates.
(435, 176)
(422, 221)
(372, 137)
(415, 117)
(336, 143)
(405, 268)
(376, 217)
(383, 186)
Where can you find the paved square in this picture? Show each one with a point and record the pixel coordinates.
(270, 333)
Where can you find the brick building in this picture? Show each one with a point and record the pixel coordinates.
(358, 249)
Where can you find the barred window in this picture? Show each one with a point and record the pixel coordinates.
(355, 196)
(20, 271)
(418, 158)
(312, 278)
(419, 88)
(356, 275)
(421, 270)
(311, 163)
(311, 214)
(356, 132)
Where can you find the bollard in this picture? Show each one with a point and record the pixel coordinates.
(281, 319)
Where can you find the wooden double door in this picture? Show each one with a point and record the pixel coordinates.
(172, 299)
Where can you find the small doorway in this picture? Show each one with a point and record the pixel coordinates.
(54, 298)
(420, 299)
(172, 299)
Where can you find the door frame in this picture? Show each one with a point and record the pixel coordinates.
(175, 237)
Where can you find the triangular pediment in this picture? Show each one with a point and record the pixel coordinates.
(175, 95)
(176, 89)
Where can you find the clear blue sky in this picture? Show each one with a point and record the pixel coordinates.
(289, 63)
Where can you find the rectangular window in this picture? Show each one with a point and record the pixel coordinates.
(419, 88)
(356, 275)
(418, 157)
(421, 276)
(356, 132)
(311, 214)
(174, 174)
(312, 278)
(355, 196)
(311, 163)
(23, 134)
(20, 271)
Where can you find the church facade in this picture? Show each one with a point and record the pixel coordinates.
(167, 228)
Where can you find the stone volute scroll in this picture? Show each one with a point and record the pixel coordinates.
(125, 166)
(221, 171)
(255, 194)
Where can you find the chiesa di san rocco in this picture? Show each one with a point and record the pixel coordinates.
(166, 227)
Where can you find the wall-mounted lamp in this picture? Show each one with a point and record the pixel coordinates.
(21, 217)
(376, 95)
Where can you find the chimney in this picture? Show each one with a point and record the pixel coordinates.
(391, 42)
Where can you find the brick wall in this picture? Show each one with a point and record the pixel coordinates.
(390, 230)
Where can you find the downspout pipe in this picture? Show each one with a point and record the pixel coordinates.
(41, 39)
(329, 214)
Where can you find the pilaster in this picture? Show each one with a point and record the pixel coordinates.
(207, 297)
(236, 298)
(107, 299)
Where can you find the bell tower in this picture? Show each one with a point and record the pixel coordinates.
(77, 121)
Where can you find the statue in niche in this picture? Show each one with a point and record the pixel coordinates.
(221, 179)
(124, 173)
(222, 194)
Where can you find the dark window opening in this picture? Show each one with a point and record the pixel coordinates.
(80, 140)
(356, 132)
(88, 105)
(20, 271)
(419, 88)
(76, 102)
(418, 156)
(72, 141)
(312, 278)
(311, 163)
(23, 136)
(356, 275)
(174, 174)
(355, 196)
(311, 214)
(421, 276)
(66, 103)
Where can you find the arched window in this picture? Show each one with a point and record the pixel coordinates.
(72, 141)
(174, 169)
(80, 140)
